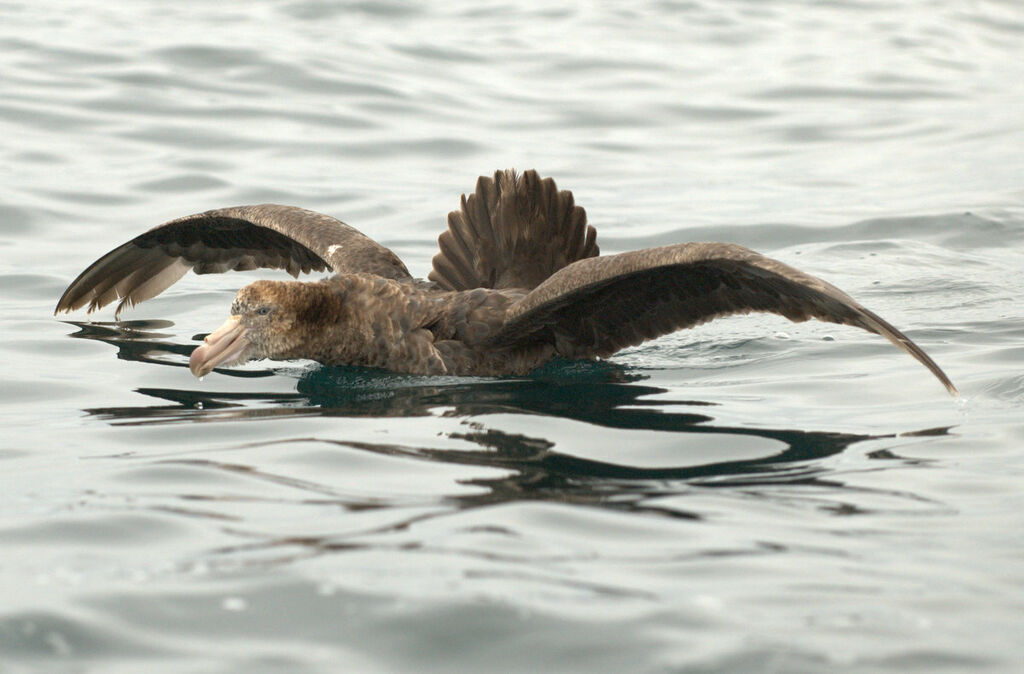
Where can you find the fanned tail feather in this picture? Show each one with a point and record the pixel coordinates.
(514, 231)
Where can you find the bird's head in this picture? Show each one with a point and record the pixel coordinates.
(269, 319)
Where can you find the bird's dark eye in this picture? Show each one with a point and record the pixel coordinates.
(262, 311)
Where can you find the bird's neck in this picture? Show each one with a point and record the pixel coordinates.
(357, 319)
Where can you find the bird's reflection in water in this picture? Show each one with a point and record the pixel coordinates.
(600, 394)
(603, 394)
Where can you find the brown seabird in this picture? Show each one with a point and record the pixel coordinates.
(518, 281)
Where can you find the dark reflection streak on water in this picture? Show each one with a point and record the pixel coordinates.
(136, 341)
(539, 474)
(193, 512)
(361, 393)
(599, 394)
(600, 404)
(533, 469)
(309, 547)
(249, 471)
(594, 393)
(535, 480)
(543, 474)
(203, 406)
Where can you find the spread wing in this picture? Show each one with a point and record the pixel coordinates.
(240, 238)
(596, 306)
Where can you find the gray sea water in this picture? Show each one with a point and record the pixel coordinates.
(752, 495)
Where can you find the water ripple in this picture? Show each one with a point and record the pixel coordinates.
(751, 494)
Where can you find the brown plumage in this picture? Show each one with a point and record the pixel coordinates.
(517, 282)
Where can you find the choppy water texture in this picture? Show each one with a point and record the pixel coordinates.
(749, 496)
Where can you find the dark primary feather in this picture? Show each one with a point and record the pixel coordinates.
(595, 307)
(241, 238)
(512, 232)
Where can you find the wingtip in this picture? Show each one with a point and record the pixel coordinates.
(64, 306)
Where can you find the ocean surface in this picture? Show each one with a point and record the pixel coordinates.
(749, 496)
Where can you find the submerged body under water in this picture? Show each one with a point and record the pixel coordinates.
(750, 495)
